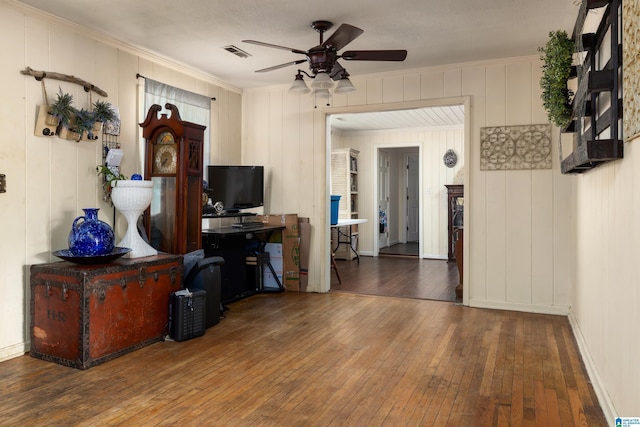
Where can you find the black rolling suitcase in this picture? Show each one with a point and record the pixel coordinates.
(187, 316)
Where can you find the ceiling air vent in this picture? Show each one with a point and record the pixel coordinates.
(236, 51)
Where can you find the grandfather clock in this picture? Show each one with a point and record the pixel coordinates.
(173, 162)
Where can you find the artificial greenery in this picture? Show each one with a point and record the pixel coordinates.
(103, 112)
(557, 56)
(110, 175)
(62, 108)
(81, 120)
(84, 120)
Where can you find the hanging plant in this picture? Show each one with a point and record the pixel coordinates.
(62, 109)
(84, 123)
(103, 111)
(557, 56)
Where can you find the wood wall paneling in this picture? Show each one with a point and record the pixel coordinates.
(518, 235)
(542, 253)
(411, 89)
(431, 85)
(452, 83)
(473, 82)
(50, 180)
(518, 94)
(393, 89)
(13, 203)
(374, 91)
(495, 113)
(495, 243)
(359, 97)
(38, 149)
(276, 157)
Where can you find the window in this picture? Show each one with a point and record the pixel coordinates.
(193, 108)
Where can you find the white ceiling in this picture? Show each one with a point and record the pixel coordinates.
(434, 32)
(400, 119)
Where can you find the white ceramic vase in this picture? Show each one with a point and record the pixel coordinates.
(131, 198)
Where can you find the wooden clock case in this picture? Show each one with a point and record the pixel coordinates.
(173, 222)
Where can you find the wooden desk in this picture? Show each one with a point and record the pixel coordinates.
(234, 244)
(83, 315)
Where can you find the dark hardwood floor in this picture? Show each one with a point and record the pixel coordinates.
(334, 359)
(400, 249)
(399, 276)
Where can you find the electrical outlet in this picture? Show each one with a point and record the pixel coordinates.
(3, 183)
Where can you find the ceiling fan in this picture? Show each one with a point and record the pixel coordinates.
(323, 59)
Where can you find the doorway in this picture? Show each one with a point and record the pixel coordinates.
(413, 197)
(371, 131)
(399, 201)
(383, 199)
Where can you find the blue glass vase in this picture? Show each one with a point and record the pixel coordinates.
(91, 237)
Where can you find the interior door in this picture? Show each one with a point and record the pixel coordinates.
(413, 198)
(383, 199)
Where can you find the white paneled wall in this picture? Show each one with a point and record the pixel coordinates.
(432, 144)
(607, 295)
(518, 223)
(50, 180)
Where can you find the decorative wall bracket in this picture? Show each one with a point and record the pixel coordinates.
(597, 104)
(39, 75)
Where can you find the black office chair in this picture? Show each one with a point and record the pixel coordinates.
(204, 273)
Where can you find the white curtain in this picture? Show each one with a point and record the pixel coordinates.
(193, 107)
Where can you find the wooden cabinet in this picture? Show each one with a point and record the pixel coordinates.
(455, 217)
(174, 163)
(344, 183)
(83, 315)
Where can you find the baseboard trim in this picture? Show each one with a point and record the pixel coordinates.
(434, 257)
(606, 404)
(527, 308)
(12, 351)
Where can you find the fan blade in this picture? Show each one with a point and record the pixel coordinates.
(375, 55)
(275, 46)
(275, 67)
(344, 35)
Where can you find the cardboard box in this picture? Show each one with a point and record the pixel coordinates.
(275, 257)
(304, 229)
(290, 240)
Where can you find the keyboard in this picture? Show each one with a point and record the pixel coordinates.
(247, 225)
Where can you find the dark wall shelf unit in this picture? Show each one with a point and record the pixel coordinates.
(597, 103)
(455, 223)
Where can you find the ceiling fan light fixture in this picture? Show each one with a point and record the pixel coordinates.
(299, 86)
(344, 85)
(322, 81)
(322, 94)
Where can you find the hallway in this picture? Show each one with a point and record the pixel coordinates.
(402, 249)
(398, 276)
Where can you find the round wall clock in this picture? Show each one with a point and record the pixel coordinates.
(450, 158)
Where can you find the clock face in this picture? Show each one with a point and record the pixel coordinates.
(450, 158)
(165, 154)
(165, 159)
